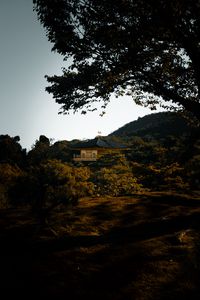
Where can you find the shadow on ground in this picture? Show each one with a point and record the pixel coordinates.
(143, 247)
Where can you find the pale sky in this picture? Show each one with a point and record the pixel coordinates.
(25, 108)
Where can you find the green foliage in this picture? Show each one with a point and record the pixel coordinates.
(47, 177)
(11, 151)
(144, 48)
(43, 150)
(39, 151)
(9, 175)
(110, 159)
(148, 152)
(53, 182)
(193, 171)
(60, 150)
(115, 181)
(173, 177)
(161, 178)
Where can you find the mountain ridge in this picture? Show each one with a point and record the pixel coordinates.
(157, 125)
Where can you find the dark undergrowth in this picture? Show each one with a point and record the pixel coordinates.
(142, 247)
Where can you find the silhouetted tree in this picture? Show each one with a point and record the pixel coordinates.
(11, 151)
(39, 151)
(61, 150)
(143, 48)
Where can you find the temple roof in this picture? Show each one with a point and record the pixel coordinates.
(100, 142)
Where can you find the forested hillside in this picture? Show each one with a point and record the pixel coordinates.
(157, 125)
(162, 153)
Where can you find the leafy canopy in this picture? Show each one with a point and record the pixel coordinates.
(149, 49)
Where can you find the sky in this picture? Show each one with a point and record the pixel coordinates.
(26, 109)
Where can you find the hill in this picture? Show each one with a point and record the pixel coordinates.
(156, 125)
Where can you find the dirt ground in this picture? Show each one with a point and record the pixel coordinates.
(139, 248)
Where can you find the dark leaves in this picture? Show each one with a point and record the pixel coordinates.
(153, 46)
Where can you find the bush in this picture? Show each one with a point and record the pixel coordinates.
(116, 181)
(157, 177)
(53, 182)
(9, 175)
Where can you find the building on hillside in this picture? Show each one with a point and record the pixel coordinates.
(91, 150)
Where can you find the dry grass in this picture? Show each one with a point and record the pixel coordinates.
(140, 248)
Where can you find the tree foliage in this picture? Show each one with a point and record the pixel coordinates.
(112, 175)
(9, 176)
(53, 182)
(39, 151)
(143, 48)
(11, 151)
(116, 181)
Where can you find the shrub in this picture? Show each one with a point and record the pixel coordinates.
(53, 182)
(116, 181)
(9, 175)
